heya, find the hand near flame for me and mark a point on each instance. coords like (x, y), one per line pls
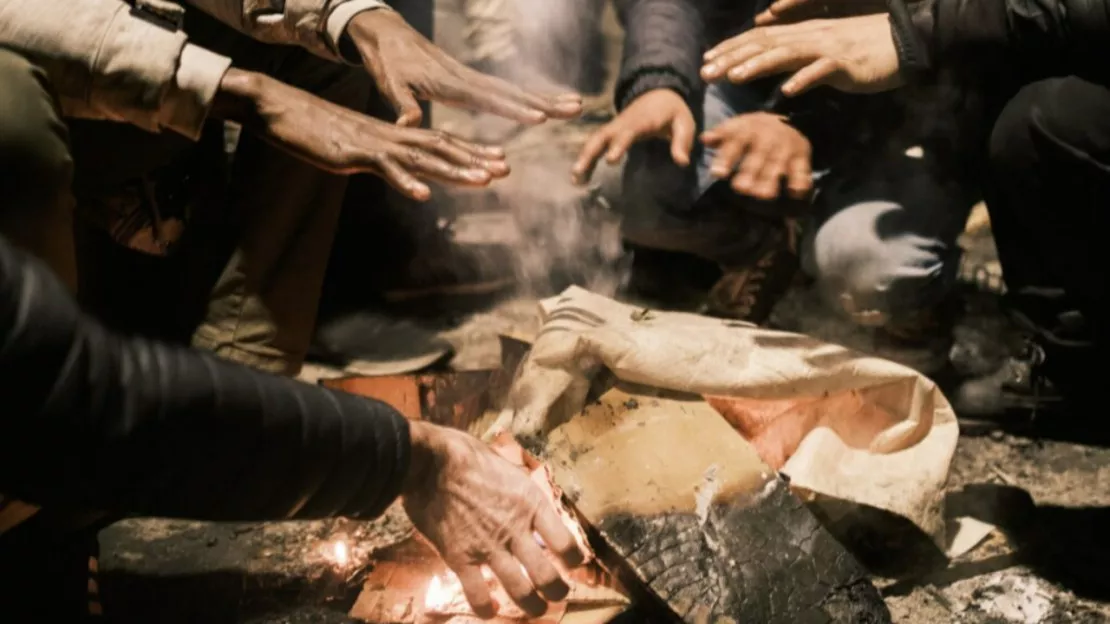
(478, 510)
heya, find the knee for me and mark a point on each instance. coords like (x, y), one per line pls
(1057, 113)
(655, 194)
(874, 278)
(35, 162)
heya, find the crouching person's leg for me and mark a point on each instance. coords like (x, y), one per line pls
(262, 310)
(1047, 193)
(885, 252)
(36, 169)
(673, 209)
(44, 555)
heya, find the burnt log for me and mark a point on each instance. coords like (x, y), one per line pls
(683, 507)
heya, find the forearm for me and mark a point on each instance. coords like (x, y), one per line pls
(94, 420)
(989, 36)
(106, 62)
(664, 42)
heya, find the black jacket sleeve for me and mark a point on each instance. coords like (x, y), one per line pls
(1047, 36)
(663, 46)
(92, 419)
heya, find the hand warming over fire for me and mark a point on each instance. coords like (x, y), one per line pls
(341, 140)
(407, 67)
(759, 151)
(855, 54)
(480, 510)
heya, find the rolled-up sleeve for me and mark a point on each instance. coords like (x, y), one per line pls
(315, 25)
(107, 63)
(193, 89)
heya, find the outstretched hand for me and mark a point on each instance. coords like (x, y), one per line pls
(759, 151)
(478, 510)
(855, 54)
(340, 140)
(408, 68)
(661, 113)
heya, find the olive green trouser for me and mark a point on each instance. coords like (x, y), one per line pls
(281, 212)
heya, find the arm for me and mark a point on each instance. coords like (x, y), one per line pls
(664, 41)
(316, 25)
(108, 63)
(1048, 35)
(95, 420)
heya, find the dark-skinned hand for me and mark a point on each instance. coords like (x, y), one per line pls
(658, 114)
(409, 68)
(340, 140)
(479, 510)
(759, 151)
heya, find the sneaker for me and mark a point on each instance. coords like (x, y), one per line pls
(748, 292)
(1017, 387)
(443, 267)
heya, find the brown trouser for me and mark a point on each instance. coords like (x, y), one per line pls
(281, 213)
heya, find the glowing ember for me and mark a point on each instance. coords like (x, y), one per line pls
(341, 553)
(336, 552)
(437, 597)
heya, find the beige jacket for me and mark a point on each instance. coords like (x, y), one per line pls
(110, 60)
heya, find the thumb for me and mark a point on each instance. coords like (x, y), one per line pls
(405, 105)
(682, 138)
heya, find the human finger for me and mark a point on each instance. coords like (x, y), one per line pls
(799, 177)
(404, 103)
(559, 106)
(744, 180)
(683, 128)
(732, 43)
(774, 61)
(768, 180)
(476, 590)
(729, 153)
(718, 67)
(619, 146)
(557, 537)
(478, 96)
(399, 178)
(813, 75)
(509, 572)
(464, 153)
(545, 577)
(427, 165)
(590, 153)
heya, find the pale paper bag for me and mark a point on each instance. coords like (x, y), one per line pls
(836, 422)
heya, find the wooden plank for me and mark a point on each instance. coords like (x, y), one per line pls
(693, 514)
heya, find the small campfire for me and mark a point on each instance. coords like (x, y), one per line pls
(410, 585)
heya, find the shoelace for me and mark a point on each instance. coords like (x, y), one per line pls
(1033, 355)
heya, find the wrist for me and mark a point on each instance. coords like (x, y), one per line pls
(422, 455)
(367, 26)
(238, 96)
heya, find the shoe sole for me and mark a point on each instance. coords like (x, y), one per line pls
(461, 290)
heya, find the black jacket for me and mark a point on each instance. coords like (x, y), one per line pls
(95, 420)
(978, 37)
(663, 48)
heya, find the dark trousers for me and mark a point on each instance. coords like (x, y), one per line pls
(1047, 184)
